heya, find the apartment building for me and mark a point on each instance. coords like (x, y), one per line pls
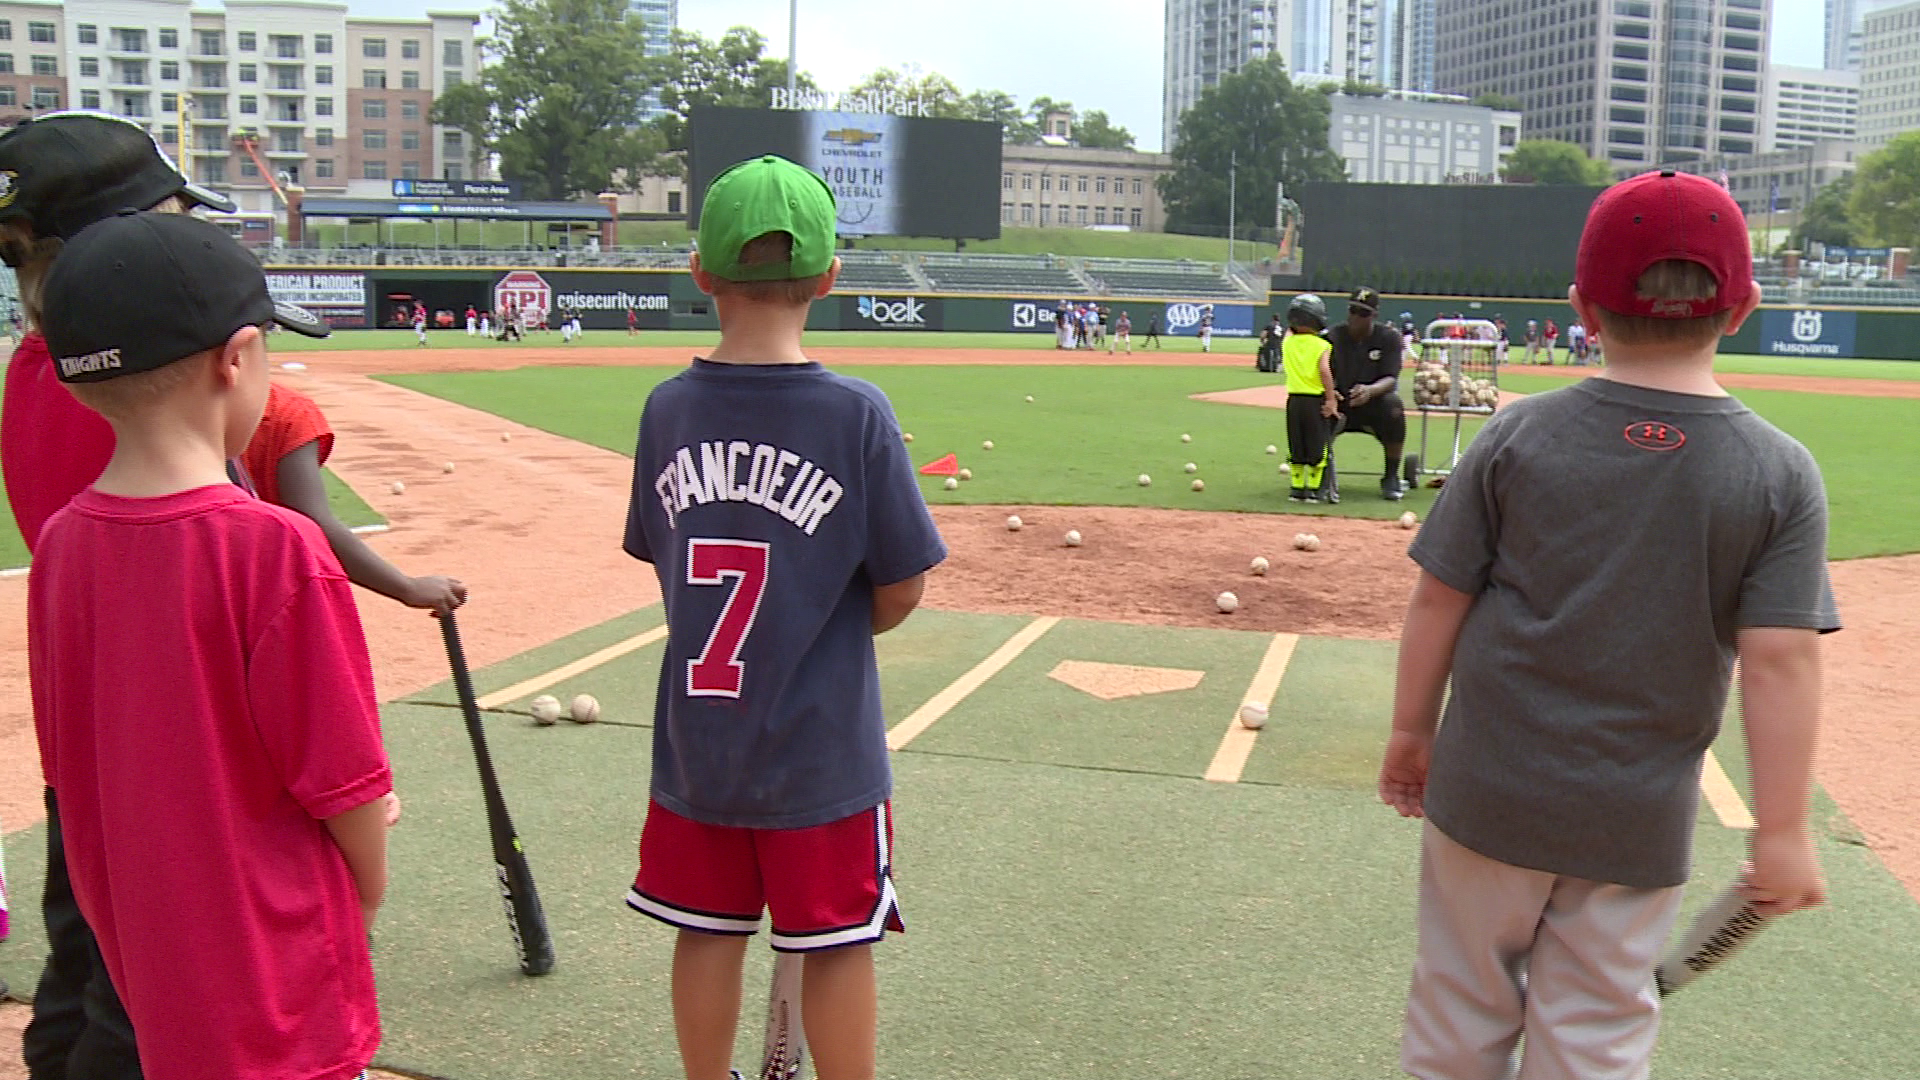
(33, 69)
(394, 69)
(1407, 138)
(1205, 39)
(1806, 104)
(1889, 73)
(1631, 81)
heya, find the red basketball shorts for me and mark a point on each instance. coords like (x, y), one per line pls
(826, 887)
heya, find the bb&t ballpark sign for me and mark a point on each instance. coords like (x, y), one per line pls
(886, 103)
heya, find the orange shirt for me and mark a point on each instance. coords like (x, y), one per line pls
(291, 421)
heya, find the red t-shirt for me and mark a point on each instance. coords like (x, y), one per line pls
(51, 446)
(203, 698)
(291, 421)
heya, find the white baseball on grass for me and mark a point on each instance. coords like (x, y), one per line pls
(585, 709)
(1253, 716)
(1029, 399)
(546, 709)
(1073, 537)
(1259, 567)
(1299, 541)
(1408, 520)
(1013, 523)
(1313, 542)
(1272, 449)
(1185, 437)
(906, 436)
(988, 445)
(1227, 603)
(952, 484)
(966, 474)
(1199, 485)
(398, 487)
(1191, 467)
(1145, 480)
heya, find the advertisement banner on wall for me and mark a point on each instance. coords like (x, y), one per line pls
(601, 300)
(1032, 316)
(1807, 332)
(890, 313)
(340, 299)
(1229, 320)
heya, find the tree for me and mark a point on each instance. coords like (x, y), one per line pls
(999, 107)
(732, 71)
(561, 101)
(1095, 130)
(943, 98)
(1257, 117)
(1826, 220)
(1549, 161)
(1502, 102)
(1885, 204)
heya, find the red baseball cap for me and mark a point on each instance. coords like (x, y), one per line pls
(1657, 216)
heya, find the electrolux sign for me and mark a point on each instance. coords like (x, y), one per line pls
(1807, 332)
(890, 312)
(1033, 317)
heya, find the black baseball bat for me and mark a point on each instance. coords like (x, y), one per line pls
(525, 918)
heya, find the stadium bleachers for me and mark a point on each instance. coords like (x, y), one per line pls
(1042, 274)
(875, 271)
(1163, 277)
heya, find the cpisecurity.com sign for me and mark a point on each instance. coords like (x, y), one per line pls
(1807, 332)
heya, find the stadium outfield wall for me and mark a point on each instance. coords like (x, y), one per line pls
(376, 296)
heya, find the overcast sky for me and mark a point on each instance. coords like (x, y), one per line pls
(1113, 62)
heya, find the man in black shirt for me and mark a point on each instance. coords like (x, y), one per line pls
(1366, 370)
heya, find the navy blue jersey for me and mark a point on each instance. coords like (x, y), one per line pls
(771, 500)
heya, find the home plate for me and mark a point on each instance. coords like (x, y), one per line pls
(1112, 682)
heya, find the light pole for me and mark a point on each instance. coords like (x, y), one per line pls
(793, 46)
(1233, 192)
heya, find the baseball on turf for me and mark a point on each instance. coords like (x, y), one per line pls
(1013, 523)
(1313, 542)
(1227, 603)
(1145, 480)
(1408, 521)
(1272, 449)
(585, 709)
(906, 436)
(1073, 537)
(1029, 399)
(1259, 567)
(546, 709)
(1199, 485)
(988, 445)
(1299, 541)
(1186, 438)
(397, 487)
(953, 483)
(966, 474)
(1253, 716)
(1191, 467)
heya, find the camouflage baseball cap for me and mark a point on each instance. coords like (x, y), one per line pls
(767, 195)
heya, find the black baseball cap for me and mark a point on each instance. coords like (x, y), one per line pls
(139, 290)
(1365, 299)
(64, 171)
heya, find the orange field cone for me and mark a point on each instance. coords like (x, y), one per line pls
(946, 466)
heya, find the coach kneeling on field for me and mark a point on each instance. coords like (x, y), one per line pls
(1366, 369)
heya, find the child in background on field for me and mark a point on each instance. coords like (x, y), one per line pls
(633, 323)
(201, 688)
(420, 323)
(1313, 400)
(771, 783)
(284, 459)
(1153, 332)
(1122, 334)
(1561, 791)
(1552, 339)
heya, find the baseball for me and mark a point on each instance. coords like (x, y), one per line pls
(1253, 716)
(546, 709)
(952, 484)
(966, 474)
(1299, 541)
(1259, 567)
(1192, 468)
(1272, 449)
(1313, 542)
(988, 445)
(585, 709)
(1013, 523)
(906, 436)
(1145, 480)
(1408, 521)
(1227, 603)
(1186, 438)
(397, 487)
(1199, 485)
(1029, 399)
(1073, 537)
(447, 468)
(293, 365)
(506, 436)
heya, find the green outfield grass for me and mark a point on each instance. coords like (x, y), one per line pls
(1091, 430)
(693, 340)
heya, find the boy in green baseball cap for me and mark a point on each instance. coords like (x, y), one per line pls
(784, 520)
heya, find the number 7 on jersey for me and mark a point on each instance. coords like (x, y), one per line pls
(718, 670)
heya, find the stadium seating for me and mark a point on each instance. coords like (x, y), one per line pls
(1041, 274)
(1163, 277)
(876, 271)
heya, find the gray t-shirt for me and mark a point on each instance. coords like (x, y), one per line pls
(1617, 538)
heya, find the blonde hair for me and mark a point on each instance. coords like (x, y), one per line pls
(32, 256)
(772, 249)
(1669, 279)
(128, 396)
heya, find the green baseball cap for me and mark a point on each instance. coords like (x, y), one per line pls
(767, 195)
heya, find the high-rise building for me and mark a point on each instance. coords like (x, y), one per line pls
(1312, 47)
(1806, 104)
(662, 18)
(1843, 35)
(1412, 45)
(262, 92)
(1630, 81)
(1205, 39)
(1889, 72)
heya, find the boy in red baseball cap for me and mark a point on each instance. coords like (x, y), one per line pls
(1590, 574)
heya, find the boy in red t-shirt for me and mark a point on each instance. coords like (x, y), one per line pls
(231, 858)
(283, 460)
